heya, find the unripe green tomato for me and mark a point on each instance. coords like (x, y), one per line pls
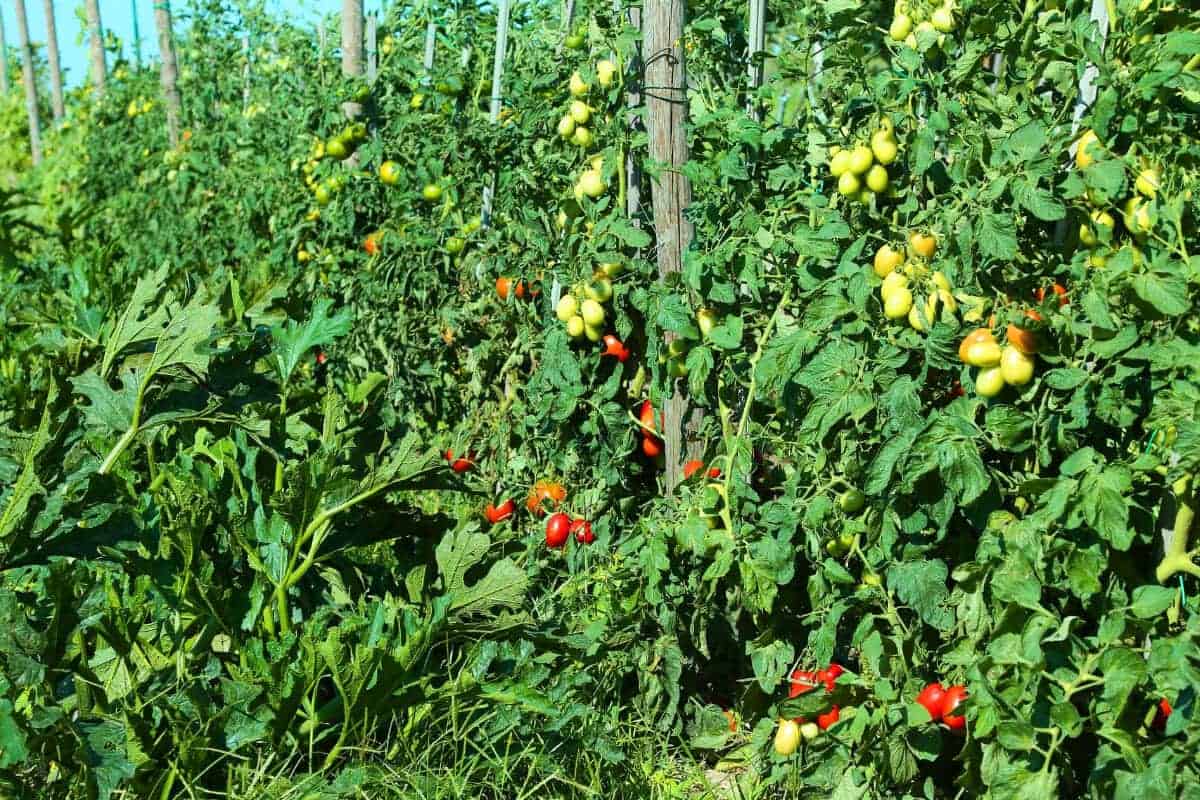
(871, 579)
(852, 501)
(600, 290)
(834, 548)
(677, 347)
(883, 146)
(861, 159)
(677, 367)
(989, 382)
(567, 308)
(810, 731)
(848, 184)
(582, 137)
(901, 27)
(707, 319)
(839, 163)
(898, 303)
(592, 312)
(566, 126)
(575, 326)
(787, 737)
(594, 333)
(432, 193)
(454, 245)
(1016, 367)
(877, 178)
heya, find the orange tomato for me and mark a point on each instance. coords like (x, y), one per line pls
(544, 493)
(1021, 338)
(977, 336)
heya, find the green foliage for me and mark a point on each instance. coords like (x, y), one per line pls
(233, 559)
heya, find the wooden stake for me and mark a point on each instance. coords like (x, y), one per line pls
(633, 99)
(56, 85)
(96, 46)
(758, 38)
(497, 77)
(430, 44)
(352, 48)
(671, 192)
(245, 72)
(169, 72)
(31, 100)
(372, 48)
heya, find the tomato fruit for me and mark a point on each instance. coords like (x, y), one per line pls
(389, 173)
(951, 700)
(884, 147)
(460, 464)
(496, 514)
(652, 446)
(901, 27)
(580, 112)
(829, 676)
(432, 193)
(979, 335)
(1016, 367)
(1087, 149)
(1147, 183)
(851, 501)
(1058, 289)
(371, 244)
(615, 347)
(576, 85)
(787, 737)
(898, 303)
(592, 313)
(573, 41)
(1022, 339)
(566, 126)
(942, 19)
(583, 531)
(923, 244)
(931, 697)
(606, 72)
(861, 159)
(707, 319)
(810, 731)
(591, 183)
(829, 718)
(600, 289)
(455, 245)
(848, 184)
(691, 468)
(985, 353)
(1161, 714)
(803, 682)
(990, 382)
(567, 307)
(558, 527)
(839, 163)
(877, 178)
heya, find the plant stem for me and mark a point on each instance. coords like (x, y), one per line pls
(1177, 558)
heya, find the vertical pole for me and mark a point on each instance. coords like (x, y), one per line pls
(56, 86)
(372, 48)
(4, 85)
(430, 43)
(169, 71)
(352, 49)
(245, 72)
(497, 75)
(96, 46)
(758, 38)
(1087, 96)
(633, 99)
(137, 35)
(671, 191)
(31, 100)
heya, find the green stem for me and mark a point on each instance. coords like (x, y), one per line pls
(127, 438)
(283, 446)
(1177, 558)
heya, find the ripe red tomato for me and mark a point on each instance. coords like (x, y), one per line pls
(931, 698)
(714, 472)
(557, 529)
(544, 493)
(646, 416)
(501, 512)
(691, 468)
(1059, 289)
(461, 464)
(950, 701)
(321, 357)
(829, 676)
(1161, 715)
(829, 718)
(652, 446)
(371, 243)
(614, 347)
(803, 682)
(583, 531)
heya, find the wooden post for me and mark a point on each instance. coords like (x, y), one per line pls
(31, 99)
(245, 72)
(489, 189)
(96, 46)
(633, 99)
(758, 37)
(169, 72)
(4, 85)
(1087, 96)
(665, 85)
(430, 44)
(352, 49)
(56, 85)
(372, 48)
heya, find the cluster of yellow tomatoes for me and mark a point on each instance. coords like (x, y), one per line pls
(573, 128)
(912, 17)
(1011, 364)
(338, 148)
(1138, 211)
(910, 290)
(861, 170)
(139, 105)
(582, 309)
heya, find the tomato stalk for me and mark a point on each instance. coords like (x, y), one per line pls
(1176, 558)
(127, 438)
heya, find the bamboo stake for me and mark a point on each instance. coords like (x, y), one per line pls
(758, 37)
(31, 100)
(352, 49)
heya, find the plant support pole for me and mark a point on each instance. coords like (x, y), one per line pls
(758, 34)
(137, 34)
(665, 86)
(352, 49)
(372, 48)
(55, 64)
(489, 190)
(169, 71)
(4, 85)
(31, 100)
(96, 46)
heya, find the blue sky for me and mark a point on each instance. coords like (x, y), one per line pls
(117, 16)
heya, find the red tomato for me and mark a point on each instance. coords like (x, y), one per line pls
(1059, 289)
(829, 676)
(828, 719)
(652, 446)
(733, 726)
(501, 512)
(557, 529)
(646, 416)
(931, 697)
(714, 472)
(950, 701)
(321, 357)
(371, 243)
(461, 464)
(583, 531)
(691, 468)
(803, 682)
(503, 285)
(614, 347)
(1162, 714)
